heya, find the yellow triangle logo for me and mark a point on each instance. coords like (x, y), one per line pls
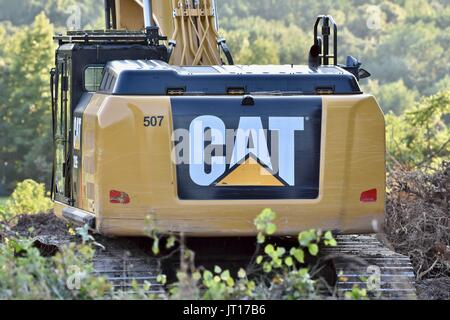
(250, 173)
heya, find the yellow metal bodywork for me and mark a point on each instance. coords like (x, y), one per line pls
(119, 153)
(193, 28)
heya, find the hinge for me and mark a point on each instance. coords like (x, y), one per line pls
(65, 83)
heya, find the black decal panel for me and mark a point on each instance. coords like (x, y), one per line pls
(303, 114)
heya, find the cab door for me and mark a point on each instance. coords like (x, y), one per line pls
(61, 190)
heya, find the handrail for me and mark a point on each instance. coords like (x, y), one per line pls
(323, 41)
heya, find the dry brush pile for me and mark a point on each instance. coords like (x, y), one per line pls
(418, 220)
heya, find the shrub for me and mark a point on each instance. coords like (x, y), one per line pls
(29, 197)
(26, 274)
(420, 138)
(276, 272)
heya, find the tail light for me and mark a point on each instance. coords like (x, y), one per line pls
(118, 197)
(369, 196)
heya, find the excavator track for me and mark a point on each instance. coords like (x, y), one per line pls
(365, 262)
(357, 260)
(128, 264)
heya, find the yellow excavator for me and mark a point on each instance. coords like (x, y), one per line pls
(152, 117)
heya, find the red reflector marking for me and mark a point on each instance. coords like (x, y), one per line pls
(369, 196)
(118, 197)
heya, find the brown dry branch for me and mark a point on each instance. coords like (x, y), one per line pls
(418, 219)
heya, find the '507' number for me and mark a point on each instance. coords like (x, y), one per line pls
(153, 121)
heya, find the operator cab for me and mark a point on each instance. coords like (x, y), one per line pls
(79, 63)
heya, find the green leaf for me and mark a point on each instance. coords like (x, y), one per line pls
(259, 259)
(263, 221)
(217, 269)
(267, 267)
(271, 228)
(329, 239)
(196, 276)
(306, 237)
(280, 251)
(161, 278)
(268, 214)
(207, 275)
(288, 261)
(251, 285)
(313, 249)
(356, 294)
(277, 262)
(328, 235)
(230, 282)
(225, 275)
(299, 255)
(242, 273)
(269, 249)
(170, 242)
(147, 285)
(260, 238)
(155, 246)
(303, 272)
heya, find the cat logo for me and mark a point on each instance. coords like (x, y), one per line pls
(247, 161)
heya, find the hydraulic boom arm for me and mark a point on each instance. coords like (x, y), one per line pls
(190, 25)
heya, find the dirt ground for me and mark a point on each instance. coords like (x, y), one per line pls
(47, 231)
(40, 224)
